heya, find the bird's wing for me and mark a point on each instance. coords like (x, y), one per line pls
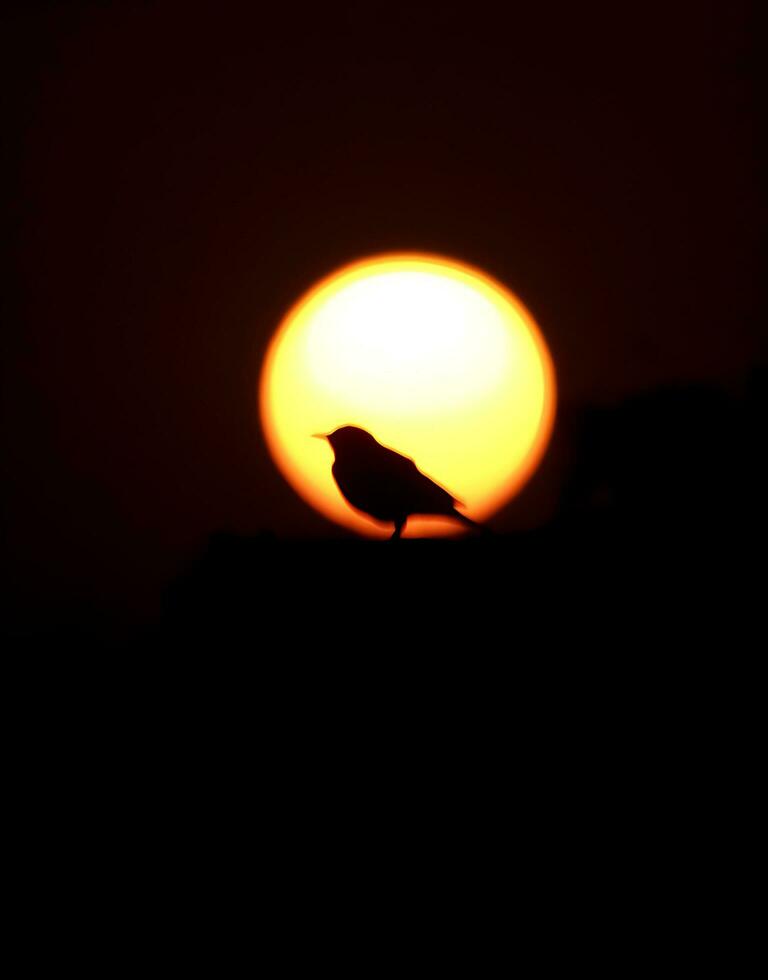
(424, 494)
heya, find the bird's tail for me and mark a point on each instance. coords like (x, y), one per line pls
(469, 522)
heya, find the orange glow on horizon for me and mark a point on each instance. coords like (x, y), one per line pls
(435, 359)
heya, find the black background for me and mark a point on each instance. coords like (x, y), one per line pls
(179, 173)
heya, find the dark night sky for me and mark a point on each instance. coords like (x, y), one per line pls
(180, 173)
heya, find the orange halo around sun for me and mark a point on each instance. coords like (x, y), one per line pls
(433, 357)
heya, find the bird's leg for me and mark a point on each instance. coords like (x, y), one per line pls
(399, 525)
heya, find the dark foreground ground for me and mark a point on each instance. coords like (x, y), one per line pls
(551, 738)
(565, 592)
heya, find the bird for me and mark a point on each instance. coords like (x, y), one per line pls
(385, 484)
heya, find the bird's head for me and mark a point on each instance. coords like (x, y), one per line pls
(349, 438)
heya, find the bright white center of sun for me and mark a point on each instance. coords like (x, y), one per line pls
(433, 342)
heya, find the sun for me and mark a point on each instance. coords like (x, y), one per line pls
(435, 359)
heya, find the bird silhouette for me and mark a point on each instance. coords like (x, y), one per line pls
(384, 484)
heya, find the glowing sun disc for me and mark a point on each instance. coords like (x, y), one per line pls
(435, 359)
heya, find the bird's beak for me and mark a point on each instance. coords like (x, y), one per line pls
(319, 435)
